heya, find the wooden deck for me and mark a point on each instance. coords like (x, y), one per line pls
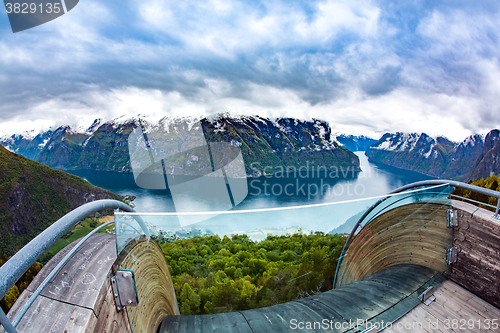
(454, 310)
(79, 297)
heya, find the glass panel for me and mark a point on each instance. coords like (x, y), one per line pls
(256, 223)
(438, 194)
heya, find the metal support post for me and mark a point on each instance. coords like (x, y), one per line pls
(496, 211)
(7, 325)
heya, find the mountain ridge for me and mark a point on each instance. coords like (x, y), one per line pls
(104, 147)
(435, 156)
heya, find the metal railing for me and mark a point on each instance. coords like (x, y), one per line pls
(432, 182)
(474, 202)
(19, 263)
(53, 273)
(469, 187)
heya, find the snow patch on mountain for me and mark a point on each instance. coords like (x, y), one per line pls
(473, 140)
(167, 124)
(400, 142)
(92, 128)
(431, 149)
(219, 128)
(43, 143)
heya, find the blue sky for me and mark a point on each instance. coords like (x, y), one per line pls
(367, 67)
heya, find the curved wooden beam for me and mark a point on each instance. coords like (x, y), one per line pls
(415, 233)
(155, 288)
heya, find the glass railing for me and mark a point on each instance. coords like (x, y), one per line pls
(334, 217)
(256, 223)
(420, 219)
(439, 194)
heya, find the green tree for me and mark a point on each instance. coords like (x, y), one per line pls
(11, 297)
(190, 301)
(214, 275)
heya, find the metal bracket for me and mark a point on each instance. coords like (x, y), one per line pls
(124, 289)
(427, 297)
(451, 255)
(452, 218)
(496, 216)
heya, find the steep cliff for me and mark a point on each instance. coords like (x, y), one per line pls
(33, 196)
(488, 163)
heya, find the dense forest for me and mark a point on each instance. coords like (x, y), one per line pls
(213, 275)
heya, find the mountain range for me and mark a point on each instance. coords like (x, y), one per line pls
(104, 145)
(473, 158)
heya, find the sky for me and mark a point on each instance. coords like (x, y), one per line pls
(366, 67)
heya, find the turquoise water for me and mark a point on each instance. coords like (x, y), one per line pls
(374, 180)
(268, 193)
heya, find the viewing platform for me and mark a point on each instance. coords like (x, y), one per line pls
(418, 260)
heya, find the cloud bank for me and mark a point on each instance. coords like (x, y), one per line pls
(367, 67)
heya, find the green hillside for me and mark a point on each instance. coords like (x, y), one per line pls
(33, 196)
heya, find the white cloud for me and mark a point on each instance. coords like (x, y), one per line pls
(229, 27)
(342, 61)
(401, 110)
(458, 30)
(335, 16)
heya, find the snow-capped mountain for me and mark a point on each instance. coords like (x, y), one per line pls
(436, 157)
(104, 145)
(27, 144)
